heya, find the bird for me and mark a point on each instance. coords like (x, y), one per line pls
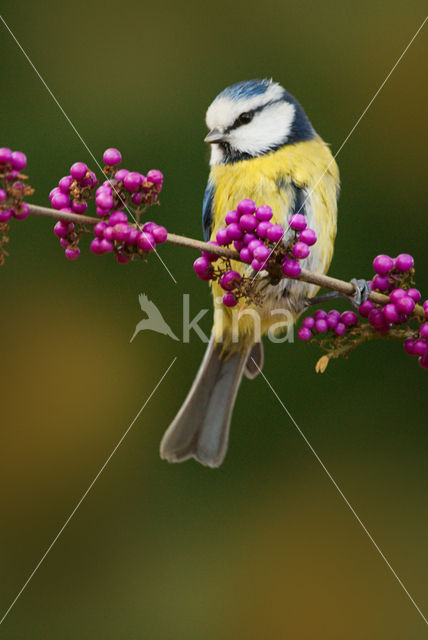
(263, 147)
(155, 320)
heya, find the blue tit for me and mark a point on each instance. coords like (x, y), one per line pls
(263, 147)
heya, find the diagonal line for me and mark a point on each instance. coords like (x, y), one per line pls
(397, 62)
(340, 491)
(85, 494)
(78, 134)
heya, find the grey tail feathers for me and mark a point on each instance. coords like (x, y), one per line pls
(201, 427)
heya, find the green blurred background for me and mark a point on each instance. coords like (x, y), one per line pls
(264, 547)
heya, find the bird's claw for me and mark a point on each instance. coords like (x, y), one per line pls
(361, 293)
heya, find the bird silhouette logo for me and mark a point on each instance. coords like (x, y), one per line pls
(154, 321)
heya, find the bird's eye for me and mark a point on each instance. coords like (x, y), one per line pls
(246, 117)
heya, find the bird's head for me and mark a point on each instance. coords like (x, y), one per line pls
(254, 117)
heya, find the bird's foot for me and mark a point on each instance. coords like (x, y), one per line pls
(361, 293)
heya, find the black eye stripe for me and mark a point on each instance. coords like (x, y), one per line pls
(252, 113)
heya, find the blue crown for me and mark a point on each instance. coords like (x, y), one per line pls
(245, 89)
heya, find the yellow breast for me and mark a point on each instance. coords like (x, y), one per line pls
(271, 179)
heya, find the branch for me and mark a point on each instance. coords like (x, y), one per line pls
(327, 282)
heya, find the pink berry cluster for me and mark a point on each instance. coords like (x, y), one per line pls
(250, 231)
(323, 322)
(13, 190)
(397, 318)
(124, 193)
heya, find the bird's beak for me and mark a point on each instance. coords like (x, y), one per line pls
(215, 135)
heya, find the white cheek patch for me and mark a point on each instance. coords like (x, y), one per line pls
(268, 129)
(223, 112)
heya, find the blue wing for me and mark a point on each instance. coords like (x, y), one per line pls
(207, 212)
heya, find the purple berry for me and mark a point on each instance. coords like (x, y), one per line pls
(118, 216)
(229, 299)
(149, 226)
(109, 234)
(238, 244)
(332, 321)
(261, 253)
(5, 155)
(155, 176)
(234, 231)
(132, 181)
(420, 347)
(99, 229)
(72, 254)
(10, 177)
(95, 247)
(423, 361)
(245, 255)
(415, 294)
(246, 206)
(275, 233)
(298, 222)
(396, 294)
(320, 313)
(349, 318)
(308, 322)
(248, 222)
(304, 333)
(404, 262)
(61, 229)
(252, 246)
(334, 313)
(222, 237)
(78, 170)
(230, 280)
(408, 346)
(160, 234)
(380, 282)
(64, 184)
(377, 319)
(391, 314)
(119, 175)
(3, 195)
(300, 250)
(203, 269)
(382, 264)
(64, 243)
(340, 329)
(121, 231)
(232, 216)
(112, 157)
(321, 325)
(79, 206)
(264, 213)
(262, 228)
(423, 331)
(122, 258)
(18, 160)
(23, 212)
(104, 200)
(60, 200)
(291, 268)
(133, 236)
(308, 236)
(137, 198)
(5, 214)
(146, 242)
(257, 265)
(405, 305)
(106, 245)
(249, 237)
